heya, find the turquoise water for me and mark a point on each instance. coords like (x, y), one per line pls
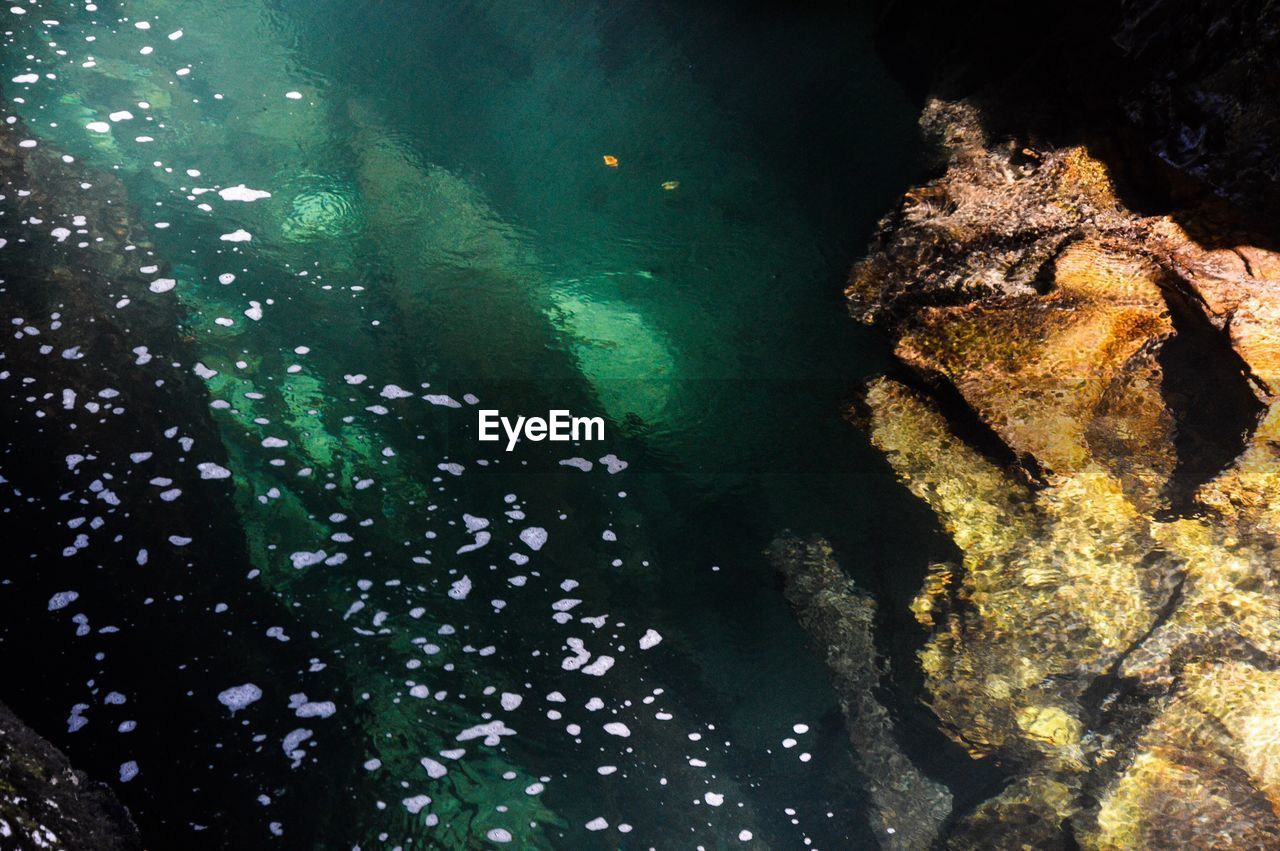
(377, 218)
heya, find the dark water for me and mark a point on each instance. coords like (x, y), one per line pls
(442, 234)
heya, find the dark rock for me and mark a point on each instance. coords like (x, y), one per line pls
(47, 804)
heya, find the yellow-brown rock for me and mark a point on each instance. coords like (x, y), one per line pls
(1092, 416)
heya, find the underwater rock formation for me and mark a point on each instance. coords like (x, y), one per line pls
(1087, 400)
(908, 808)
(45, 803)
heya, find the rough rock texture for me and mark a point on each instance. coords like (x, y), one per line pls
(45, 803)
(1090, 351)
(908, 809)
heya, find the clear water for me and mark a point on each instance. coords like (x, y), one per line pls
(441, 220)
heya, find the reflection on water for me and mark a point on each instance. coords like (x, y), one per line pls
(371, 219)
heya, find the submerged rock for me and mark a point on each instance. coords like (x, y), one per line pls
(907, 808)
(45, 803)
(1088, 403)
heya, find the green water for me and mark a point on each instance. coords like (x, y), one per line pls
(442, 231)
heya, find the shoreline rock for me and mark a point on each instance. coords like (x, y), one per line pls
(45, 803)
(1087, 327)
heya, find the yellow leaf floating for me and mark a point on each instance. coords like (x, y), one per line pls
(670, 185)
(610, 160)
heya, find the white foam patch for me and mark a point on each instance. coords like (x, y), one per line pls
(617, 728)
(210, 470)
(599, 667)
(482, 539)
(162, 285)
(651, 638)
(534, 537)
(63, 599)
(243, 193)
(238, 235)
(392, 391)
(238, 697)
(416, 804)
(316, 709)
(460, 589)
(435, 770)
(26, 78)
(491, 733)
(306, 559)
(613, 464)
(292, 744)
(579, 658)
(98, 127)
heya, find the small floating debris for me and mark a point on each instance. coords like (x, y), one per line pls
(670, 185)
(610, 160)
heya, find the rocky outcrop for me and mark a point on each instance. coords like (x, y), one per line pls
(45, 803)
(1089, 342)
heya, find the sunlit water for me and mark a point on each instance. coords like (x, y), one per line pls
(442, 643)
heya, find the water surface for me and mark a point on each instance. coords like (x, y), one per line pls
(375, 218)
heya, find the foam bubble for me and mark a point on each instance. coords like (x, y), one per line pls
(63, 599)
(240, 192)
(238, 697)
(534, 537)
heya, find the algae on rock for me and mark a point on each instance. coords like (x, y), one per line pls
(1110, 631)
